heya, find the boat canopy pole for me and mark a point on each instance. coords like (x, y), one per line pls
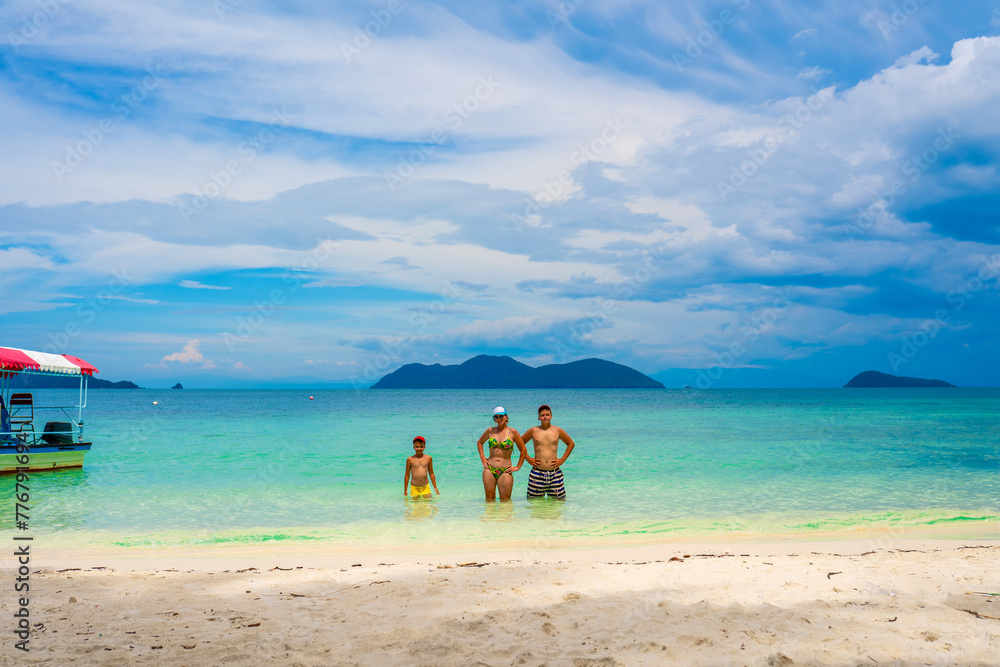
(83, 400)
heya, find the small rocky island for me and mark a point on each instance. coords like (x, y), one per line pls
(874, 379)
(488, 372)
(178, 386)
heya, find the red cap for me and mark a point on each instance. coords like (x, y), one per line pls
(420, 438)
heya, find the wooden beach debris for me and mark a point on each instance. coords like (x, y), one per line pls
(978, 615)
(249, 569)
(675, 558)
(830, 574)
(472, 564)
(286, 569)
(979, 605)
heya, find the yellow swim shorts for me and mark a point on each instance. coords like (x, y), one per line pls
(424, 490)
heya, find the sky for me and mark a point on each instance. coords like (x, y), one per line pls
(727, 193)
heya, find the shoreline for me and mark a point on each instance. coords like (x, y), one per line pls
(332, 555)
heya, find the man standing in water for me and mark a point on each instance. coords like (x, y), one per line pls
(545, 476)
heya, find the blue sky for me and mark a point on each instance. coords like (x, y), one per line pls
(785, 193)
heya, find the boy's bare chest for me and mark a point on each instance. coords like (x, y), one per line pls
(549, 438)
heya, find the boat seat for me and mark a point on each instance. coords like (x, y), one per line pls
(22, 412)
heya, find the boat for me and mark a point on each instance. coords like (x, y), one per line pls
(58, 444)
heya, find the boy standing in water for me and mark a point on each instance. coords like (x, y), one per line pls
(420, 466)
(545, 476)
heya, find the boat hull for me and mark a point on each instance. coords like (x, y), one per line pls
(44, 457)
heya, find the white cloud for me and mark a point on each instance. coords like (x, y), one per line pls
(194, 284)
(189, 355)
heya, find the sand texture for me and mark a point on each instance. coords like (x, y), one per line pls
(816, 606)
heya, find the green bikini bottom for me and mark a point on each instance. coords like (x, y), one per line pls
(498, 471)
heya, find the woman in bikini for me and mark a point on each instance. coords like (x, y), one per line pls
(498, 473)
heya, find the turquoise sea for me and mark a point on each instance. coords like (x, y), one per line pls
(219, 467)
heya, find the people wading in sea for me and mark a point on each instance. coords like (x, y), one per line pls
(498, 473)
(546, 476)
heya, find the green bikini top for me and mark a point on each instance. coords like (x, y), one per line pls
(506, 444)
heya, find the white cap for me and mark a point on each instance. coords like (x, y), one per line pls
(498, 410)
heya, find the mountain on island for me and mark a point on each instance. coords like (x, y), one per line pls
(26, 381)
(874, 379)
(488, 372)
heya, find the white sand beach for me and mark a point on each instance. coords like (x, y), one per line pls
(806, 603)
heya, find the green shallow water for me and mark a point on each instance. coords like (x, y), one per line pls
(209, 468)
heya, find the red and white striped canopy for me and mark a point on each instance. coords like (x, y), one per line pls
(15, 360)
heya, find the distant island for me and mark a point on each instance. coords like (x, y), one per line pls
(488, 372)
(26, 381)
(178, 386)
(874, 379)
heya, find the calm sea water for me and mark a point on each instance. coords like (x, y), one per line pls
(209, 467)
